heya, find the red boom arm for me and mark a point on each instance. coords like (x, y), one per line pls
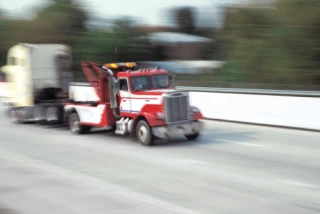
(96, 77)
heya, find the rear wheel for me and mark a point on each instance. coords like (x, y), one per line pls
(38, 114)
(17, 115)
(13, 114)
(144, 133)
(75, 125)
(192, 136)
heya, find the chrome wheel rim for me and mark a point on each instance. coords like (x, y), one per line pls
(38, 113)
(75, 123)
(143, 133)
(13, 116)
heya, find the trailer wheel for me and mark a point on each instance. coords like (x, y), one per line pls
(144, 133)
(13, 116)
(38, 114)
(8, 110)
(192, 136)
(75, 125)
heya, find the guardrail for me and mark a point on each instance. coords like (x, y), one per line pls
(253, 91)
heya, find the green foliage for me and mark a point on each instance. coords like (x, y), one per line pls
(60, 21)
(64, 22)
(273, 45)
(121, 43)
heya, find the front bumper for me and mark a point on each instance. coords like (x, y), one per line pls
(165, 132)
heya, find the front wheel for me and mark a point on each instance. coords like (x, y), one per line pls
(75, 125)
(144, 133)
(192, 136)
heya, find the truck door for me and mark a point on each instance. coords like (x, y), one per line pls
(125, 98)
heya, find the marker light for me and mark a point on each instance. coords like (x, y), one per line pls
(130, 64)
(111, 65)
(194, 109)
(123, 64)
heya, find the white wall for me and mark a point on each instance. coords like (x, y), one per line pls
(298, 112)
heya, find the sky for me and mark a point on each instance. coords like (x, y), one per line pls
(151, 12)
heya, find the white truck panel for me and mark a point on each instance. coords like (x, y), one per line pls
(82, 92)
(89, 114)
(19, 75)
(45, 68)
(35, 66)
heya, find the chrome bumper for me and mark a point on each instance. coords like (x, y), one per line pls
(165, 132)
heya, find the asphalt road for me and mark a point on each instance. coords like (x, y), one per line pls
(232, 168)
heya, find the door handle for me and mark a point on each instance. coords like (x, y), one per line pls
(147, 100)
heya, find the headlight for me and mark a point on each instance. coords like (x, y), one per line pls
(160, 115)
(194, 110)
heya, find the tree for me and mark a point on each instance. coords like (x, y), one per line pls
(121, 43)
(60, 22)
(184, 18)
(273, 45)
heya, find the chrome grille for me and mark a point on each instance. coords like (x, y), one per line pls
(176, 106)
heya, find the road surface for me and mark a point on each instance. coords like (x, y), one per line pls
(232, 168)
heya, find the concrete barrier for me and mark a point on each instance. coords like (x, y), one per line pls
(275, 110)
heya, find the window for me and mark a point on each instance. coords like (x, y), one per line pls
(12, 60)
(160, 81)
(140, 83)
(16, 61)
(123, 84)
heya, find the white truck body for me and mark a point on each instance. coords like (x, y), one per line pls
(82, 92)
(32, 67)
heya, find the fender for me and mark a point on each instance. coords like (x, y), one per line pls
(67, 111)
(196, 113)
(150, 112)
(152, 120)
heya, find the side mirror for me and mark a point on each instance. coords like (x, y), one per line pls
(116, 86)
(114, 89)
(172, 79)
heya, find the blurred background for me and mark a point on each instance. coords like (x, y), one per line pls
(248, 44)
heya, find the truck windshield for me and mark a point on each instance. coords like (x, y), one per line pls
(160, 81)
(140, 83)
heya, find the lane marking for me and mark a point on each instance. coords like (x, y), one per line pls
(297, 183)
(189, 161)
(249, 144)
(90, 181)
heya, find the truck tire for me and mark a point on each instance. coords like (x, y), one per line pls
(38, 114)
(8, 110)
(144, 133)
(192, 136)
(13, 117)
(75, 125)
